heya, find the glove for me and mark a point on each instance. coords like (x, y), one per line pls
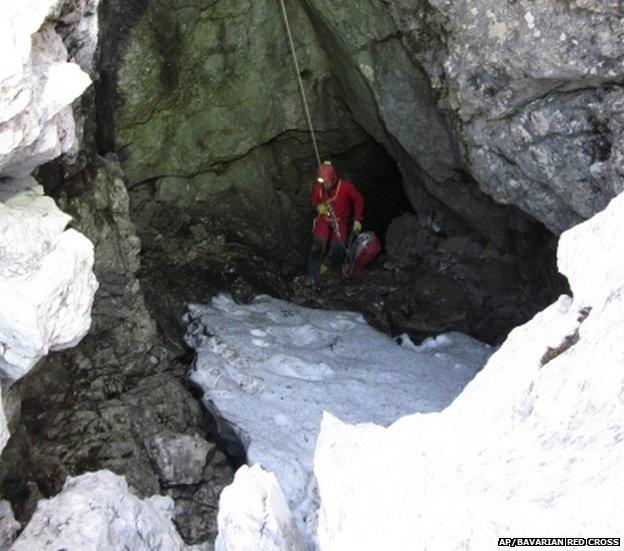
(322, 209)
(357, 227)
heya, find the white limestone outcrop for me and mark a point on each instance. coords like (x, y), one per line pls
(253, 514)
(9, 527)
(37, 88)
(534, 445)
(46, 279)
(96, 511)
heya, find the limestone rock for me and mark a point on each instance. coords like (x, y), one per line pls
(37, 87)
(47, 283)
(253, 514)
(220, 173)
(4, 429)
(97, 511)
(196, 507)
(9, 527)
(524, 96)
(78, 25)
(179, 458)
(534, 90)
(594, 272)
(103, 215)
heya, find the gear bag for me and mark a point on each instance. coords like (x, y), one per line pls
(360, 252)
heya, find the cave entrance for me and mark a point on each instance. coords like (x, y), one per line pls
(217, 155)
(378, 178)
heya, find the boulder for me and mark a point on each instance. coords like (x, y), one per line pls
(97, 511)
(179, 458)
(47, 284)
(37, 87)
(253, 514)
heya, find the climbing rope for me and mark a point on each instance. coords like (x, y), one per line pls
(300, 80)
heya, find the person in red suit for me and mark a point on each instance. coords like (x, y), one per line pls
(339, 207)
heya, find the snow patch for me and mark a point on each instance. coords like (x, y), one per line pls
(274, 396)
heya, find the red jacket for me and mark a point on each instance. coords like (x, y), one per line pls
(343, 198)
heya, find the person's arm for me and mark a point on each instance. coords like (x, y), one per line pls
(316, 196)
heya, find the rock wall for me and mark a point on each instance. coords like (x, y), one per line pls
(202, 105)
(526, 97)
(47, 284)
(116, 401)
(533, 92)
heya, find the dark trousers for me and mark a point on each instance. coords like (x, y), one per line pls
(335, 256)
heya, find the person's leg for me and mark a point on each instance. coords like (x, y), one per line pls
(337, 245)
(336, 254)
(320, 236)
(314, 260)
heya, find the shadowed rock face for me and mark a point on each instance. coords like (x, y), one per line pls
(207, 119)
(533, 91)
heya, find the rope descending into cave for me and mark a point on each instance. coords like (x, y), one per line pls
(300, 80)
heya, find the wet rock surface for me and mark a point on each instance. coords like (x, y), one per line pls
(104, 403)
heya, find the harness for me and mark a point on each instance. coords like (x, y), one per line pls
(332, 214)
